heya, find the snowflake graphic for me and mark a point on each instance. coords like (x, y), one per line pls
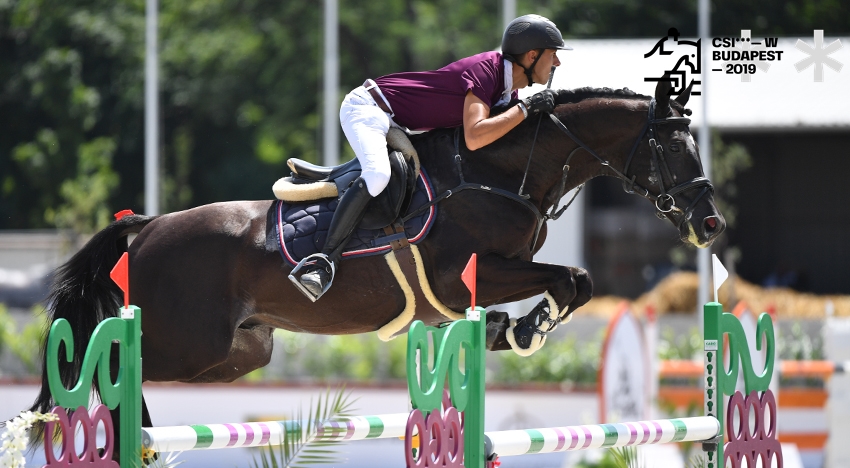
(818, 55)
(746, 45)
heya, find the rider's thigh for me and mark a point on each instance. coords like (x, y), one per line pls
(366, 129)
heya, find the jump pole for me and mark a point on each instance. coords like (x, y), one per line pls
(388, 426)
(263, 434)
(573, 438)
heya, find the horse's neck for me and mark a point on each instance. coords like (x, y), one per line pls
(608, 127)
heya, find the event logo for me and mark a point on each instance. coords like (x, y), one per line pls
(688, 63)
(742, 56)
(818, 56)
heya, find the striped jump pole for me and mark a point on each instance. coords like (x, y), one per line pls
(505, 443)
(262, 434)
(571, 438)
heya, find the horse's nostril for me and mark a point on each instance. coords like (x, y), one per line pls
(710, 223)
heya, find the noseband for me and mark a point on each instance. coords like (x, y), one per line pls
(665, 200)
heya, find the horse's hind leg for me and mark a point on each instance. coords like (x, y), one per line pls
(251, 349)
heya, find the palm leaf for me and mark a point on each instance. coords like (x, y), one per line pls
(627, 457)
(299, 447)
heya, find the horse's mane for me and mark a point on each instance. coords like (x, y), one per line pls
(572, 96)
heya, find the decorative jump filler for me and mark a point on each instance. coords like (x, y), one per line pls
(719, 382)
(462, 342)
(124, 393)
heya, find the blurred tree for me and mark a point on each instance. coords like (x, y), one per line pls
(728, 160)
(70, 94)
(645, 18)
(241, 85)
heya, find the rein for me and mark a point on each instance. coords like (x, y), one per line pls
(665, 202)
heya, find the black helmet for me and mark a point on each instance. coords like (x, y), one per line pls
(531, 32)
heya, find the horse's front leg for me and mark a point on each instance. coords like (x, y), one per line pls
(503, 280)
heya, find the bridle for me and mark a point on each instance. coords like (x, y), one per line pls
(665, 200)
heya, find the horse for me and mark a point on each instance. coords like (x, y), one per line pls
(212, 290)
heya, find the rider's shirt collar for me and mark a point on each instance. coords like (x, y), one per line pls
(509, 82)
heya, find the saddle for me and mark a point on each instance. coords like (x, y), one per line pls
(309, 182)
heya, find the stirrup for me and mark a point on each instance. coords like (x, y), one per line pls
(316, 257)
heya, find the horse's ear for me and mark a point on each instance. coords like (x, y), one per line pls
(683, 97)
(662, 95)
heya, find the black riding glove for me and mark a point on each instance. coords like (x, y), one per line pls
(544, 101)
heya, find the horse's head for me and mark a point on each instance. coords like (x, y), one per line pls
(669, 165)
(650, 148)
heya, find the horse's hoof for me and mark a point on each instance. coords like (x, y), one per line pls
(497, 327)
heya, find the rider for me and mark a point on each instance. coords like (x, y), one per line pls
(460, 93)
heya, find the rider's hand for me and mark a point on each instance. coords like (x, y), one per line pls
(544, 101)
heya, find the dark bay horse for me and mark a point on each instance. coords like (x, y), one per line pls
(212, 293)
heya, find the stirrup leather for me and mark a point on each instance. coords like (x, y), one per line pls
(317, 257)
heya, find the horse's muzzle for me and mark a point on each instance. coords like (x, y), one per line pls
(703, 234)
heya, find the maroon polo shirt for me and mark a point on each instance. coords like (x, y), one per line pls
(434, 99)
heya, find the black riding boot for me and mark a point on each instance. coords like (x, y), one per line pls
(348, 214)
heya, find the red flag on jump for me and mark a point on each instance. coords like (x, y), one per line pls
(468, 276)
(122, 214)
(120, 274)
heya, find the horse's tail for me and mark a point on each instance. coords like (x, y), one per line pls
(83, 293)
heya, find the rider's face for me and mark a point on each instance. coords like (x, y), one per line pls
(544, 66)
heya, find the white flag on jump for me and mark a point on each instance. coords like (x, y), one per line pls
(720, 274)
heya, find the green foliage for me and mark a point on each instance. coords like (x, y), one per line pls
(299, 444)
(799, 346)
(679, 347)
(356, 358)
(728, 159)
(83, 208)
(564, 362)
(23, 344)
(636, 18)
(621, 457)
(365, 358)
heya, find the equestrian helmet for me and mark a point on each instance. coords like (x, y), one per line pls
(531, 32)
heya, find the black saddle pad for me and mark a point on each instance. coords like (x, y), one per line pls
(301, 228)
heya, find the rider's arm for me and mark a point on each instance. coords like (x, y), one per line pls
(479, 128)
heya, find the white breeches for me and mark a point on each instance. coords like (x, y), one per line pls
(366, 126)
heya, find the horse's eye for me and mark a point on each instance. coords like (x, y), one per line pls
(674, 148)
